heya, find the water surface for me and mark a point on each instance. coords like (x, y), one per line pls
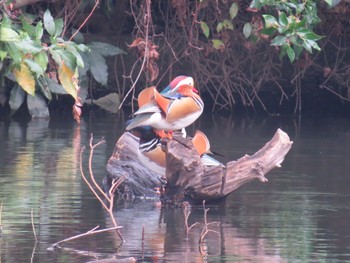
(301, 215)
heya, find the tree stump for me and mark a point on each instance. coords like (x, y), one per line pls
(186, 178)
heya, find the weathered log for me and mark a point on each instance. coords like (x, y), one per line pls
(186, 176)
(138, 181)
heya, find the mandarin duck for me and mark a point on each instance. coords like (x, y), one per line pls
(153, 157)
(176, 107)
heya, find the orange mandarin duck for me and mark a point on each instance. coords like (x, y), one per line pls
(152, 156)
(176, 107)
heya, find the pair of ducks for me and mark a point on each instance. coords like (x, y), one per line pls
(159, 114)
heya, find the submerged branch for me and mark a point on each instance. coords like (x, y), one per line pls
(90, 232)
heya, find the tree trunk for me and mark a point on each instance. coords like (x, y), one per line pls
(186, 176)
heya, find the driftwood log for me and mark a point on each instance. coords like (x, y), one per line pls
(186, 177)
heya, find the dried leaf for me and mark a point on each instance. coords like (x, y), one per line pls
(153, 70)
(25, 78)
(77, 111)
(152, 55)
(68, 80)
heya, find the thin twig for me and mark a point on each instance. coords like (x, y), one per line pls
(33, 226)
(90, 232)
(146, 53)
(86, 19)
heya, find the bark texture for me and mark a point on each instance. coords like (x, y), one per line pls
(189, 179)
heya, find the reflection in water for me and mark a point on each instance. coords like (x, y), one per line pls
(300, 215)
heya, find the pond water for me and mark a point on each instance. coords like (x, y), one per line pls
(301, 215)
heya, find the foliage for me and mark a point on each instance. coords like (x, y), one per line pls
(41, 62)
(289, 25)
(225, 24)
(33, 56)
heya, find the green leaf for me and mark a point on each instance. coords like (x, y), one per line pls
(13, 52)
(27, 45)
(268, 31)
(227, 24)
(37, 106)
(256, 4)
(71, 48)
(312, 36)
(247, 30)
(17, 97)
(218, 44)
(233, 10)
(270, 21)
(64, 56)
(56, 57)
(279, 41)
(307, 45)
(313, 44)
(98, 67)
(219, 27)
(39, 30)
(205, 29)
(333, 3)
(42, 59)
(49, 23)
(282, 19)
(84, 48)
(30, 29)
(58, 26)
(290, 53)
(34, 67)
(300, 25)
(105, 49)
(3, 55)
(8, 35)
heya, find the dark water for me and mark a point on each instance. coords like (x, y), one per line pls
(301, 215)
